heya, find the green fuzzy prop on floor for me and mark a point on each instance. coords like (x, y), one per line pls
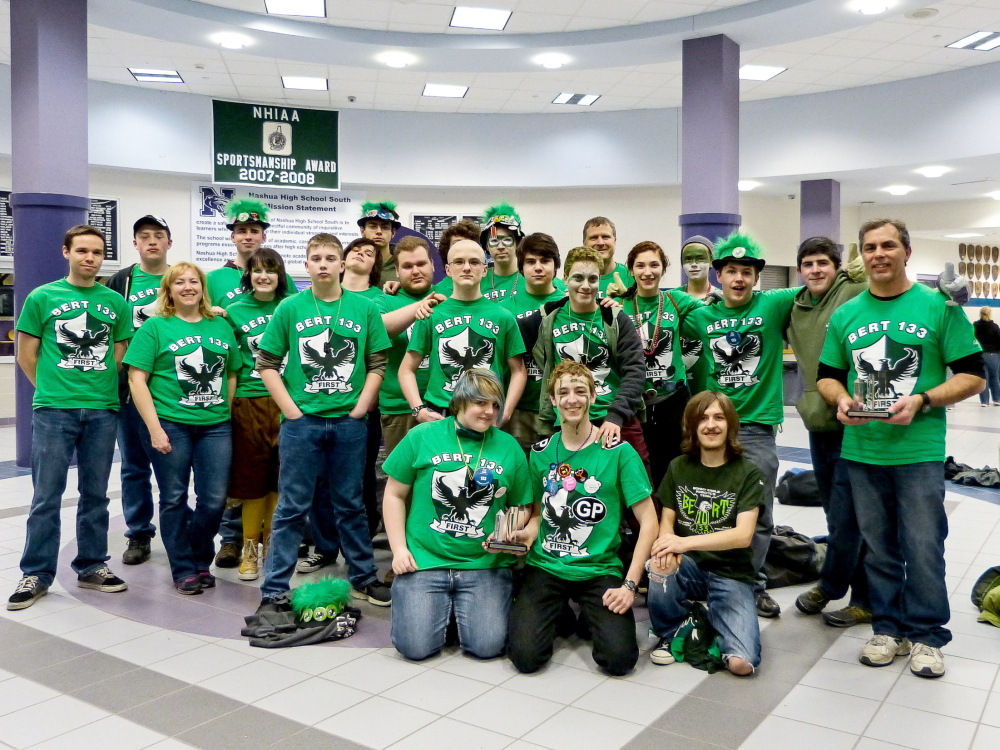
(376, 205)
(501, 209)
(246, 206)
(327, 592)
(738, 239)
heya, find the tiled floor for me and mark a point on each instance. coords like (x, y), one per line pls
(149, 669)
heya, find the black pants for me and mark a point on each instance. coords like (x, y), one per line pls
(370, 489)
(662, 429)
(536, 611)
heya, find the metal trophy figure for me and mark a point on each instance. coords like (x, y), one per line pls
(961, 251)
(503, 533)
(871, 400)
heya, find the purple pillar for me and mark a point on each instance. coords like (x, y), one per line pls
(820, 210)
(710, 137)
(49, 152)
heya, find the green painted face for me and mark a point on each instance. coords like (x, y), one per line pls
(695, 254)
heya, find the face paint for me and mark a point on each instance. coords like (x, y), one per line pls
(695, 260)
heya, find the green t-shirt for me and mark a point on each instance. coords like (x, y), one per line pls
(78, 327)
(496, 288)
(141, 298)
(581, 337)
(249, 318)
(899, 346)
(372, 293)
(326, 344)
(744, 347)
(609, 278)
(522, 305)
(696, 366)
(188, 363)
(390, 398)
(707, 499)
(578, 537)
(461, 335)
(224, 286)
(450, 516)
(664, 361)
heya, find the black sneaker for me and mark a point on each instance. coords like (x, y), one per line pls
(766, 606)
(28, 590)
(137, 552)
(229, 555)
(303, 550)
(314, 562)
(189, 586)
(102, 579)
(206, 579)
(376, 593)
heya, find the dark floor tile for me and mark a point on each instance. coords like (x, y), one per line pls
(786, 666)
(83, 671)
(751, 693)
(809, 637)
(29, 658)
(129, 690)
(15, 635)
(182, 710)
(314, 739)
(243, 728)
(709, 721)
(656, 739)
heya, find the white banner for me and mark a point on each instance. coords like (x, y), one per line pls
(296, 215)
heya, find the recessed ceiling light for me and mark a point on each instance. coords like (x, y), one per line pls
(995, 195)
(989, 44)
(898, 189)
(307, 83)
(551, 60)
(759, 72)
(230, 40)
(446, 90)
(310, 8)
(871, 7)
(582, 100)
(489, 19)
(971, 39)
(932, 171)
(149, 75)
(921, 13)
(745, 186)
(396, 59)
(963, 235)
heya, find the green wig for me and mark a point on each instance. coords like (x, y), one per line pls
(328, 595)
(739, 247)
(500, 215)
(246, 210)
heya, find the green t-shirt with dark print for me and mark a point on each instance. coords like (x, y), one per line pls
(372, 293)
(664, 361)
(451, 515)
(326, 344)
(225, 286)
(249, 318)
(461, 335)
(609, 278)
(581, 337)
(188, 364)
(523, 305)
(78, 328)
(695, 365)
(897, 347)
(744, 347)
(495, 288)
(142, 293)
(390, 397)
(581, 506)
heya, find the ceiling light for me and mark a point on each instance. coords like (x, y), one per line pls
(963, 235)
(745, 186)
(971, 39)
(995, 195)
(989, 44)
(871, 7)
(310, 8)
(921, 13)
(759, 72)
(552, 60)
(932, 171)
(583, 100)
(489, 19)
(446, 90)
(396, 59)
(229, 40)
(307, 83)
(149, 75)
(898, 189)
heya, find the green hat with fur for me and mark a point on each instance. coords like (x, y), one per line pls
(741, 248)
(381, 211)
(246, 211)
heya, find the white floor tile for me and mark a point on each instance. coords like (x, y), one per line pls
(987, 738)
(555, 683)
(47, 605)
(777, 733)
(574, 729)
(677, 678)
(253, 681)
(17, 693)
(373, 673)
(312, 700)
(436, 691)
(201, 663)
(506, 711)
(846, 713)
(920, 729)
(851, 679)
(625, 700)
(154, 647)
(315, 661)
(112, 731)
(448, 733)
(522, 745)
(980, 648)
(111, 632)
(991, 714)
(867, 743)
(957, 701)
(171, 744)
(46, 720)
(377, 722)
(70, 619)
(493, 671)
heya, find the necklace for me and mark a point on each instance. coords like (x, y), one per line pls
(480, 477)
(648, 345)
(320, 315)
(493, 283)
(567, 475)
(586, 338)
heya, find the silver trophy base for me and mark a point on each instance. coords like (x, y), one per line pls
(869, 414)
(506, 546)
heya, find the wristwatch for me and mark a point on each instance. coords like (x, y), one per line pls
(927, 402)
(630, 585)
(416, 409)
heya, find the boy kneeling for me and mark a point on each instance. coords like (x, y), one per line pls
(711, 496)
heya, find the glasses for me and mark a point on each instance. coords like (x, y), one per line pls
(469, 263)
(506, 241)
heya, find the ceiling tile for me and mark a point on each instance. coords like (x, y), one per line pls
(536, 23)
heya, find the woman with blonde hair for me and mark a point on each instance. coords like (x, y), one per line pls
(183, 371)
(988, 335)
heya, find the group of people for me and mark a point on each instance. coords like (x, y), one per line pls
(615, 435)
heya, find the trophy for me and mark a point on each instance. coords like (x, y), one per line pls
(866, 396)
(979, 253)
(961, 251)
(996, 253)
(501, 540)
(961, 268)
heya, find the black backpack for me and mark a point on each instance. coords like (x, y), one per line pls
(792, 558)
(798, 487)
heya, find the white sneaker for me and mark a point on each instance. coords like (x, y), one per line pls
(882, 650)
(661, 654)
(926, 661)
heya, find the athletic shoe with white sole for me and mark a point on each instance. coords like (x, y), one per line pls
(926, 661)
(882, 650)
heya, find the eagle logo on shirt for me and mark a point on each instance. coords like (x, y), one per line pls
(460, 505)
(691, 350)
(569, 524)
(83, 342)
(736, 359)
(466, 350)
(142, 313)
(703, 510)
(659, 362)
(328, 361)
(889, 370)
(200, 375)
(591, 355)
(408, 334)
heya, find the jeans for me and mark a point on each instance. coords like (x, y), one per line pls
(992, 360)
(188, 535)
(310, 447)
(231, 526)
(731, 608)
(56, 433)
(759, 448)
(536, 612)
(422, 604)
(845, 549)
(901, 515)
(136, 469)
(370, 490)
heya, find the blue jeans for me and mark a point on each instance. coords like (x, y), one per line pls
(992, 360)
(901, 516)
(231, 526)
(845, 549)
(56, 433)
(422, 604)
(137, 491)
(731, 608)
(759, 448)
(188, 535)
(310, 447)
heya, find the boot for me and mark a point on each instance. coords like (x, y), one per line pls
(248, 568)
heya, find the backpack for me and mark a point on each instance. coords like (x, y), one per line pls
(696, 642)
(798, 487)
(792, 558)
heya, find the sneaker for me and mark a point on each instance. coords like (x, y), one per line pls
(303, 551)
(249, 568)
(662, 654)
(102, 579)
(206, 579)
(137, 551)
(882, 650)
(926, 661)
(812, 601)
(229, 556)
(28, 590)
(376, 593)
(189, 586)
(314, 562)
(847, 617)
(766, 606)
